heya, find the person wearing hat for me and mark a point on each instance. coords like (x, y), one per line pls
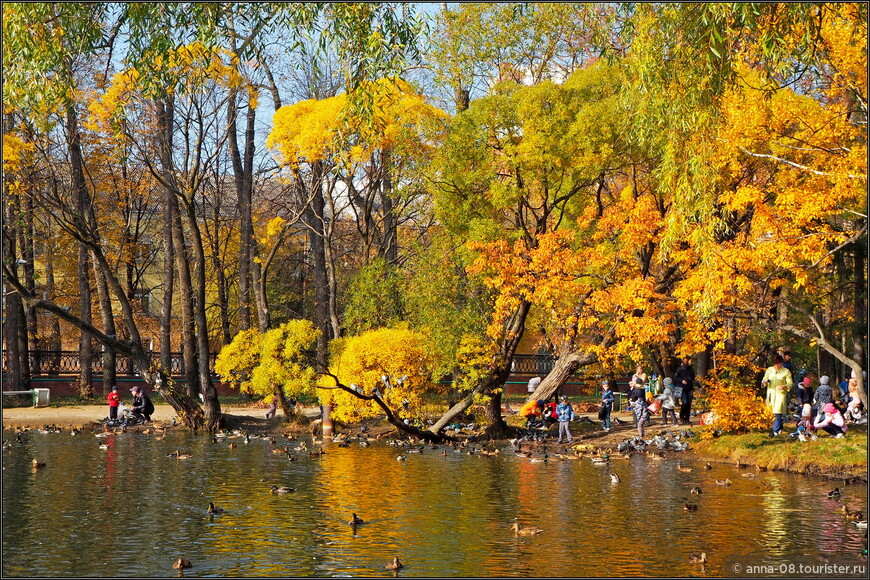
(669, 403)
(832, 421)
(805, 425)
(142, 405)
(565, 414)
(824, 395)
(804, 392)
(606, 405)
(114, 400)
(778, 381)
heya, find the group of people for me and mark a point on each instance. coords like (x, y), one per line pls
(644, 401)
(141, 409)
(819, 409)
(539, 413)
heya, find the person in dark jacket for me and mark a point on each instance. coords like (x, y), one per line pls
(637, 391)
(685, 379)
(804, 393)
(142, 405)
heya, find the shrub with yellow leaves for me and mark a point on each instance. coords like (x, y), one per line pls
(400, 355)
(732, 398)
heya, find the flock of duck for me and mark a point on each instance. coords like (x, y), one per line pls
(530, 447)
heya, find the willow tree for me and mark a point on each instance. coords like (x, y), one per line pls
(511, 171)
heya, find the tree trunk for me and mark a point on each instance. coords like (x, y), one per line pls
(85, 380)
(210, 398)
(859, 327)
(165, 117)
(54, 343)
(110, 377)
(243, 203)
(314, 220)
(514, 328)
(186, 295)
(390, 244)
(567, 363)
(27, 242)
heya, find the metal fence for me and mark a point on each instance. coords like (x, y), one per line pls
(67, 362)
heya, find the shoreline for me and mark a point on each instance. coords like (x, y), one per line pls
(745, 451)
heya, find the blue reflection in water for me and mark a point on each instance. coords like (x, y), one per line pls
(131, 510)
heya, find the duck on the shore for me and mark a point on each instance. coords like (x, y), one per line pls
(530, 531)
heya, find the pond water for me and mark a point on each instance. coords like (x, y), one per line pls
(131, 510)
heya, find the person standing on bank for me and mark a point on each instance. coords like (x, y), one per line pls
(114, 400)
(606, 405)
(684, 378)
(565, 414)
(778, 381)
(668, 402)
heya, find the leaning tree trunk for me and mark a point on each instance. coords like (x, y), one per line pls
(566, 365)
(496, 379)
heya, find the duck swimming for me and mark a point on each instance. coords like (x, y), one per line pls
(723, 482)
(614, 478)
(394, 565)
(283, 489)
(182, 563)
(834, 492)
(690, 507)
(37, 464)
(698, 558)
(212, 509)
(355, 521)
(696, 490)
(530, 531)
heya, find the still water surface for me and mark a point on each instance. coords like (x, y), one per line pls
(131, 511)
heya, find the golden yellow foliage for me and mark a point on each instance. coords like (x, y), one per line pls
(399, 354)
(733, 402)
(15, 152)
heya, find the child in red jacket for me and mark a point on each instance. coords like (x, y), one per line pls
(114, 401)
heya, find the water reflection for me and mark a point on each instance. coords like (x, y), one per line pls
(133, 510)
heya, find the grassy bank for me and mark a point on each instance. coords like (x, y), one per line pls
(845, 457)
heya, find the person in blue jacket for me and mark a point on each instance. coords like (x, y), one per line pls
(607, 404)
(565, 414)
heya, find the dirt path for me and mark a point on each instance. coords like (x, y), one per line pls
(81, 415)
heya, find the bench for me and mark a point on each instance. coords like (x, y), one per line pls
(40, 396)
